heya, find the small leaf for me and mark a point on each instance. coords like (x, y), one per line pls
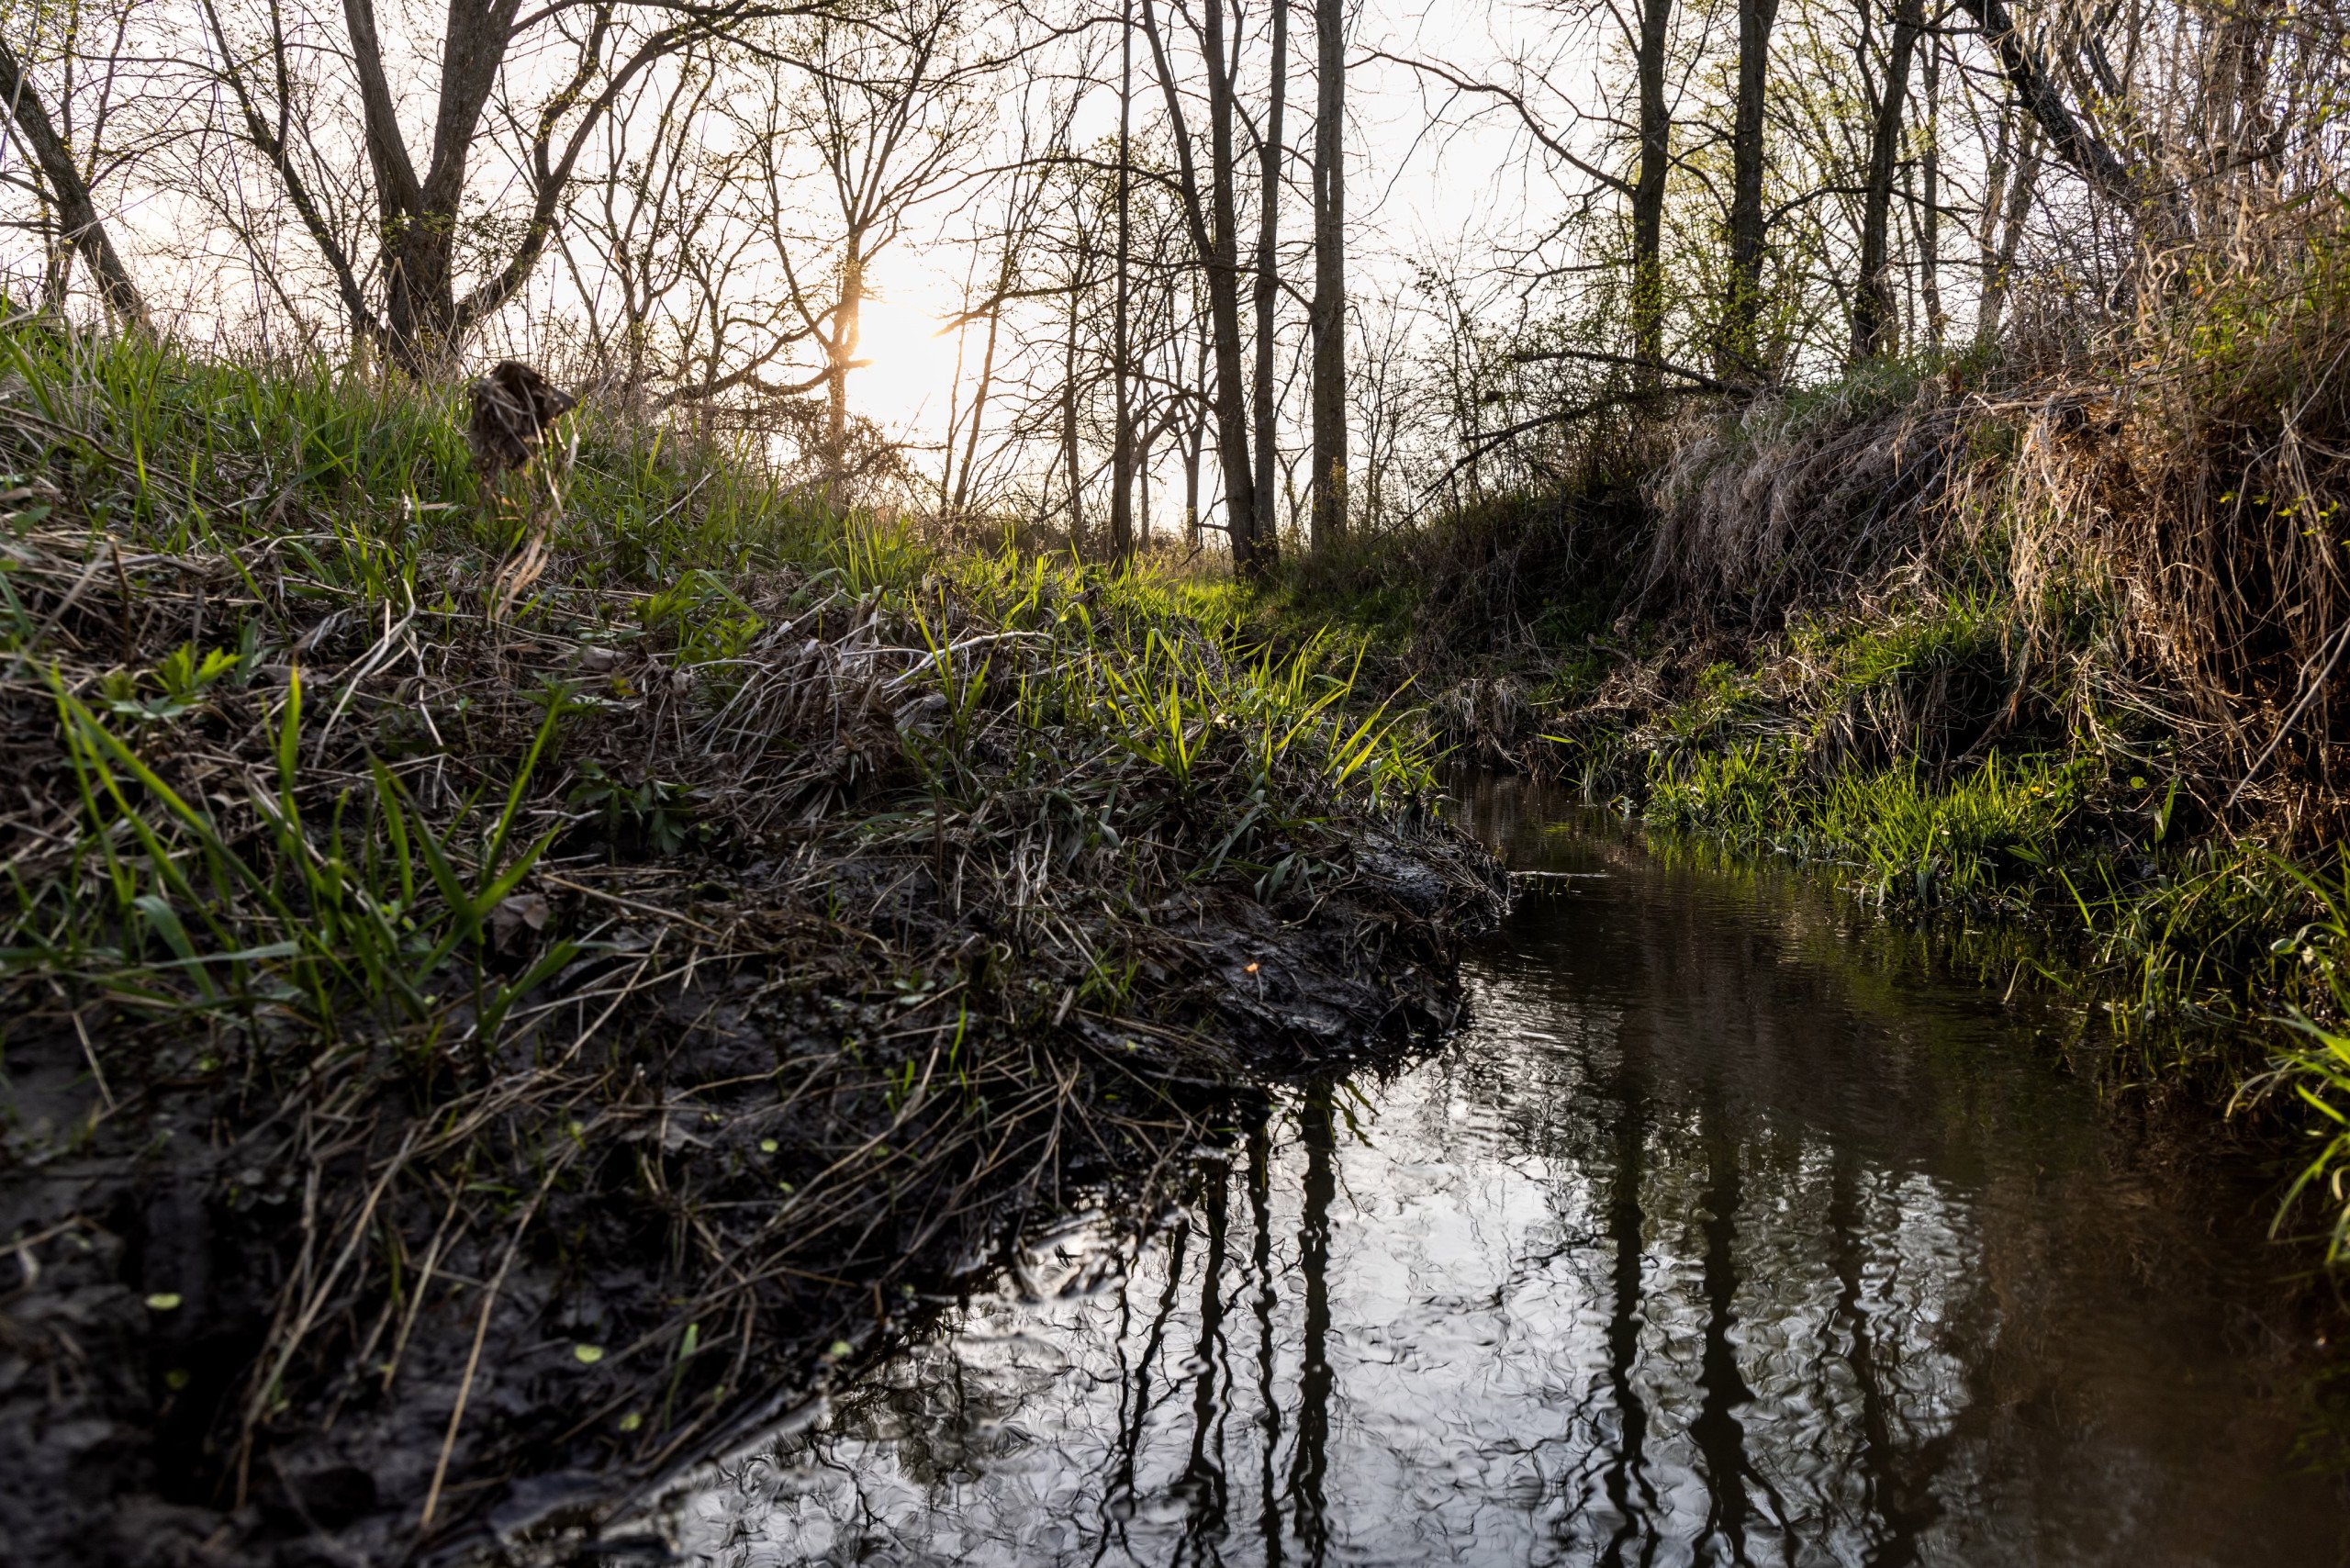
(164, 1301)
(516, 914)
(586, 1355)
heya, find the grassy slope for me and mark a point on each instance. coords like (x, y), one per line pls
(445, 1047)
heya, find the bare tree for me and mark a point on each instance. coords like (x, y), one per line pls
(406, 292)
(1122, 479)
(84, 234)
(885, 119)
(1019, 198)
(1655, 39)
(1214, 220)
(1328, 318)
(2007, 208)
(1872, 313)
(2075, 141)
(1929, 209)
(1748, 226)
(649, 252)
(1267, 285)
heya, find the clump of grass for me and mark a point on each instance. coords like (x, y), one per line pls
(1983, 839)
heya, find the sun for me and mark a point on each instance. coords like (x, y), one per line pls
(909, 351)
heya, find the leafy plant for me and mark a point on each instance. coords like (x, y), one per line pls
(650, 813)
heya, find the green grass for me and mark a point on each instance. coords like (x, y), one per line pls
(1985, 839)
(358, 500)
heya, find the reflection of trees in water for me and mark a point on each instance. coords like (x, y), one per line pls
(1674, 1256)
(1203, 1481)
(1629, 1492)
(1901, 1500)
(1310, 1468)
(1128, 1445)
(1260, 1262)
(1123, 1493)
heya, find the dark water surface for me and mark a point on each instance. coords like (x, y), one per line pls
(1708, 1241)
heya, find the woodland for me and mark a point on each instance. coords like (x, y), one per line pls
(660, 657)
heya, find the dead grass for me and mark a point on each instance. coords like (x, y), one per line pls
(2162, 518)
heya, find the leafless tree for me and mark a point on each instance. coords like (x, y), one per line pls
(1212, 216)
(65, 181)
(1329, 311)
(1873, 311)
(883, 120)
(432, 267)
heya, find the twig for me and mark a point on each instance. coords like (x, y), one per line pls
(2341, 641)
(481, 1332)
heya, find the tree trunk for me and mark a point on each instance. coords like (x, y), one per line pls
(1121, 464)
(1071, 457)
(1330, 313)
(420, 217)
(1267, 285)
(1195, 431)
(987, 380)
(1142, 476)
(1213, 226)
(83, 233)
(419, 296)
(1873, 312)
(2074, 142)
(1647, 190)
(1741, 351)
(2003, 235)
(954, 403)
(1929, 219)
(1191, 458)
(841, 351)
(1223, 307)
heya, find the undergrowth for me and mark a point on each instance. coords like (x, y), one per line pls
(1915, 754)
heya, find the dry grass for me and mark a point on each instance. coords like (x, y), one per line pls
(2163, 516)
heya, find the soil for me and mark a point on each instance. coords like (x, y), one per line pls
(667, 1284)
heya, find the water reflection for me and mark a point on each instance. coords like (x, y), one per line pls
(1708, 1244)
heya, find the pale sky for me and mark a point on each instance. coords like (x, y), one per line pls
(1418, 190)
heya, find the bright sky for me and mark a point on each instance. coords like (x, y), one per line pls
(1416, 191)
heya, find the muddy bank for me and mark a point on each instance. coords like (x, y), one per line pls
(467, 1050)
(666, 1236)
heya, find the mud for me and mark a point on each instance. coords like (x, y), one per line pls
(161, 1246)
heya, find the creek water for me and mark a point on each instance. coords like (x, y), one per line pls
(1713, 1237)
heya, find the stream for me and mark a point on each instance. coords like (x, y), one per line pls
(1713, 1237)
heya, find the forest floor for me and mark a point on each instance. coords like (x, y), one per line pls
(506, 984)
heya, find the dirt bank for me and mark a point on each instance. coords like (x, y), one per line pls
(725, 1189)
(501, 990)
